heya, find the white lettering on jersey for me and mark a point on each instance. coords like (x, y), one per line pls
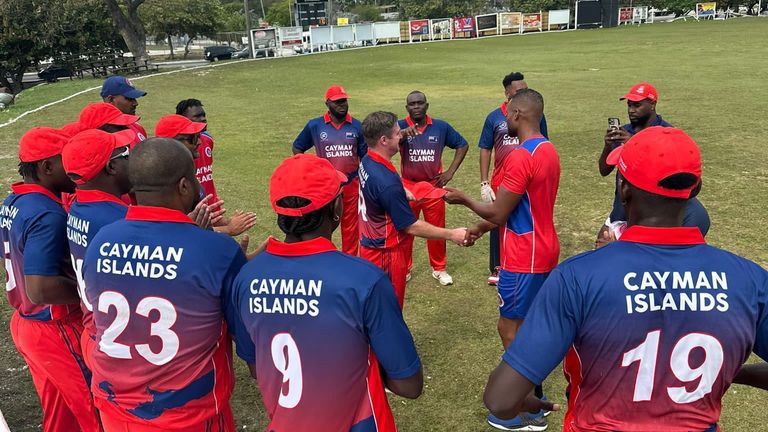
(653, 291)
(286, 296)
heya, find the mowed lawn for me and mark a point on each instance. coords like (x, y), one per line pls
(711, 80)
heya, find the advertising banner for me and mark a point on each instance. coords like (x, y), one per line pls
(532, 21)
(511, 20)
(289, 36)
(625, 15)
(419, 27)
(705, 10)
(342, 21)
(441, 28)
(463, 24)
(487, 22)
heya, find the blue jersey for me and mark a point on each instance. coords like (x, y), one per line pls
(91, 211)
(33, 230)
(313, 326)
(383, 211)
(160, 288)
(343, 145)
(659, 321)
(421, 156)
(494, 137)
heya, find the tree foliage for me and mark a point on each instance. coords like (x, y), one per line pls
(191, 18)
(537, 5)
(35, 30)
(279, 14)
(125, 16)
(415, 9)
(366, 13)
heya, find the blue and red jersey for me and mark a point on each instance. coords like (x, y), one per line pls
(383, 209)
(343, 145)
(204, 166)
(421, 156)
(90, 212)
(494, 137)
(655, 327)
(160, 288)
(529, 242)
(33, 229)
(313, 327)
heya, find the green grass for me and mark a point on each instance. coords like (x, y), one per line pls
(711, 79)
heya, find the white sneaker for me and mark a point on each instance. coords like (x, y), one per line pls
(408, 277)
(442, 277)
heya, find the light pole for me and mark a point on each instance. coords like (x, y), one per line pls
(248, 25)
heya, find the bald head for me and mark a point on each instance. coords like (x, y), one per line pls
(524, 112)
(159, 163)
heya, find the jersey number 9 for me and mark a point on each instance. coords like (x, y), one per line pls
(287, 361)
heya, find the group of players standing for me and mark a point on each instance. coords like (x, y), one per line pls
(162, 295)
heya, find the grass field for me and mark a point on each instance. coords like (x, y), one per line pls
(712, 82)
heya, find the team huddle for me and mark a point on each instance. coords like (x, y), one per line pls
(131, 295)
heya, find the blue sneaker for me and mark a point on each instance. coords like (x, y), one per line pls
(523, 422)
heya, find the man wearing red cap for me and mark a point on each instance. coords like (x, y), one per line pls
(649, 319)
(103, 116)
(47, 324)
(98, 164)
(188, 133)
(119, 91)
(338, 137)
(641, 108)
(421, 161)
(386, 219)
(193, 110)
(313, 340)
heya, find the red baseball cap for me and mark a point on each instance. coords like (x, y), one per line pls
(41, 143)
(654, 154)
(425, 190)
(96, 115)
(71, 129)
(640, 92)
(335, 93)
(173, 125)
(306, 176)
(89, 151)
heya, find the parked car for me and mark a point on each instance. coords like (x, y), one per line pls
(53, 72)
(242, 54)
(219, 52)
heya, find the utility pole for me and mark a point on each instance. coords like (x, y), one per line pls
(248, 26)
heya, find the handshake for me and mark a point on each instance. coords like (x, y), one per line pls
(465, 236)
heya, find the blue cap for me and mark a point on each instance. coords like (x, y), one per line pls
(120, 86)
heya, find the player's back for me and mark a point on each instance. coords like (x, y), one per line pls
(663, 329)
(157, 283)
(31, 224)
(313, 314)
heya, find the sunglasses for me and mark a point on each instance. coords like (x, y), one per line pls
(123, 154)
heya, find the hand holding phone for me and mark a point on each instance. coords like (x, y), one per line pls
(614, 123)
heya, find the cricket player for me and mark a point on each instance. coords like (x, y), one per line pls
(496, 140)
(386, 219)
(119, 91)
(160, 288)
(97, 162)
(641, 110)
(653, 327)
(317, 316)
(338, 137)
(46, 325)
(524, 209)
(421, 152)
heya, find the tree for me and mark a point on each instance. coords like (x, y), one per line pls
(366, 13)
(125, 16)
(193, 18)
(279, 13)
(36, 30)
(416, 9)
(538, 5)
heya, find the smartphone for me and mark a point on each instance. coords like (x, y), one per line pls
(614, 123)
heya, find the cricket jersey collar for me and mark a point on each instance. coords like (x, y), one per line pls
(309, 247)
(504, 108)
(93, 195)
(156, 214)
(22, 188)
(409, 121)
(327, 119)
(380, 159)
(663, 236)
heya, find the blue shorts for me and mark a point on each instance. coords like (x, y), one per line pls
(517, 291)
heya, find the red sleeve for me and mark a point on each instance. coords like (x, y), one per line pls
(518, 171)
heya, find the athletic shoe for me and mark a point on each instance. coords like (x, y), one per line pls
(523, 422)
(408, 277)
(493, 279)
(545, 412)
(442, 277)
